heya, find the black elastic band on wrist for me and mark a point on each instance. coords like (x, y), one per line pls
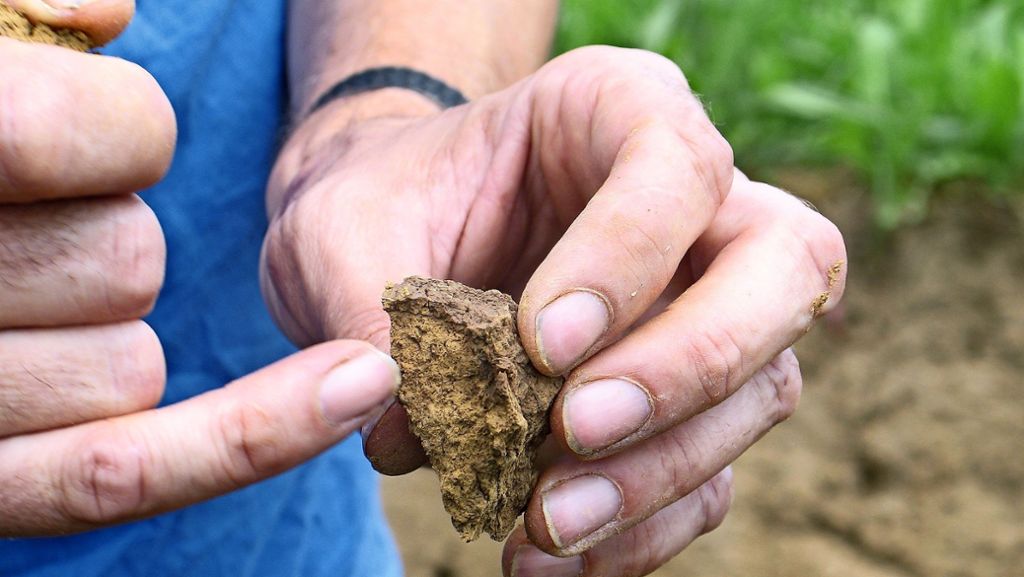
(392, 77)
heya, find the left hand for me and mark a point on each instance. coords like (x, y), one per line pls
(667, 287)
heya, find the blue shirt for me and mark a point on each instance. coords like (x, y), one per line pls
(221, 62)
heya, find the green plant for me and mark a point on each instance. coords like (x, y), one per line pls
(910, 93)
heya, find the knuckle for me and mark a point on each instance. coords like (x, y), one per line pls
(716, 358)
(104, 479)
(276, 251)
(250, 443)
(285, 262)
(822, 239)
(716, 500)
(660, 67)
(781, 384)
(625, 74)
(648, 542)
(721, 159)
(629, 59)
(682, 462)
(606, 53)
(625, 66)
(814, 242)
(137, 367)
(300, 227)
(646, 246)
(593, 52)
(137, 257)
(831, 257)
(157, 119)
(710, 154)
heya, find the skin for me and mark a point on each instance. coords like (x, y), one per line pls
(597, 174)
(81, 261)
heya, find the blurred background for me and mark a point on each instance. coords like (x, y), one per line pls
(903, 121)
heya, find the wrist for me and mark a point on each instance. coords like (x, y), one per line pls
(392, 102)
(329, 134)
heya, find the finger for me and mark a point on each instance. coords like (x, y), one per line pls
(310, 314)
(352, 308)
(88, 261)
(134, 466)
(670, 172)
(100, 20)
(390, 445)
(577, 505)
(57, 378)
(618, 255)
(314, 297)
(74, 124)
(638, 551)
(776, 267)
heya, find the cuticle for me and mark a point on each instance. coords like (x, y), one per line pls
(607, 326)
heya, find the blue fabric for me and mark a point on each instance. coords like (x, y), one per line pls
(221, 63)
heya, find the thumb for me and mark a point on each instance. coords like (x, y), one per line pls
(100, 20)
(140, 465)
(349, 306)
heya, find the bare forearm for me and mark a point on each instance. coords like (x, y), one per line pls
(477, 46)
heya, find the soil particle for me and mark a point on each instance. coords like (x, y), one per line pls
(473, 397)
(14, 25)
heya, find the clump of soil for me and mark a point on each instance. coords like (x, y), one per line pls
(15, 25)
(473, 398)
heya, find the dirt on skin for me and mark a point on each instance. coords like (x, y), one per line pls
(904, 458)
(14, 25)
(473, 398)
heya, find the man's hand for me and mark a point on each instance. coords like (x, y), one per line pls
(81, 261)
(667, 287)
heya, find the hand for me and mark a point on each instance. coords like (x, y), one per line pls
(81, 261)
(667, 287)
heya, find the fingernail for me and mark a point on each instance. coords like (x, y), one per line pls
(602, 413)
(578, 507)
(530, 561)
(65, 4)
(569, 326)
(358, 386)
(375, 417)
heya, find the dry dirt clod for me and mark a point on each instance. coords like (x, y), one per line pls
(473, 398)
(14, 25)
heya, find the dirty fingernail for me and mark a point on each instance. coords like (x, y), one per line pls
(578, 507)
(356, 387)
(532, 562)
(602, 413)
(569, 326)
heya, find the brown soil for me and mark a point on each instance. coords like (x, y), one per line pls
(473, 398)
(14, 25)
(905, 456)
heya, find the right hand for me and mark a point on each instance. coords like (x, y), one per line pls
(81, 262)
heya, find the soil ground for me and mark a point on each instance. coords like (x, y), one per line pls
(905, 457)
